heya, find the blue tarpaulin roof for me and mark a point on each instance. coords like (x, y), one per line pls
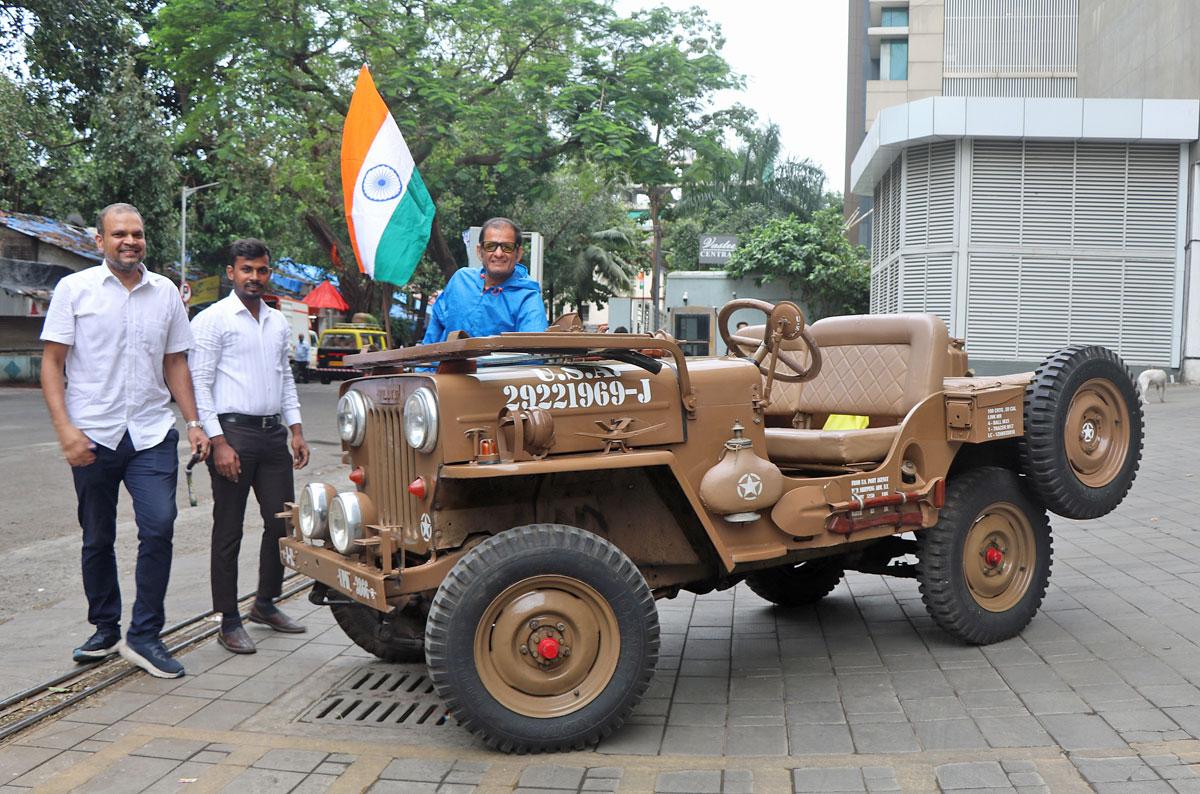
(62, 235)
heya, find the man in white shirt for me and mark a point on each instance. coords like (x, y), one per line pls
(301, 358)
(121, 335)
(247, 398)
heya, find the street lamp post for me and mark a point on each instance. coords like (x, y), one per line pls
(183, 197)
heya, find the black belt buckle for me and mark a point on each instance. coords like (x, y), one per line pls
(261, 422)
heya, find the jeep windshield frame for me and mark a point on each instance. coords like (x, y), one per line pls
(626, 348)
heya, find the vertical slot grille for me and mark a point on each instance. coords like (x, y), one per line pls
(393, 467)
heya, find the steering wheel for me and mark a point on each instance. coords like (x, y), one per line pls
(785, 322)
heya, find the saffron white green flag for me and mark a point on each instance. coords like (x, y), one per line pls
(388, 209)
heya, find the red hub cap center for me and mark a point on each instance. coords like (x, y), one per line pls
(548, 648)
(993, 556)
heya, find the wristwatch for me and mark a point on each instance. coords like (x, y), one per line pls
(194, 423)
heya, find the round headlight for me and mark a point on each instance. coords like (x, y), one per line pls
(345, 521)
(352, 417)
(421, 420)
(314, 510)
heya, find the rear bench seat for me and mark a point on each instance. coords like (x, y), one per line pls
(877, 365)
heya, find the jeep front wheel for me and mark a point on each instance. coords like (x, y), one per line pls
(542, 638)
(985, 565)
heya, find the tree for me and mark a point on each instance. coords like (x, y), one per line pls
(591, 247)
(756, 174)
(814, 259)
(37, 148)
(131, 160)
(732, 191)
(491, 98)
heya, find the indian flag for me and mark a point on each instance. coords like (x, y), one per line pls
(388, 209)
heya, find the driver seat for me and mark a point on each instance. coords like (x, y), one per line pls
(877, 365)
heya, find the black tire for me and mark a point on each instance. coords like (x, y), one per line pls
(324, 380)
(968, 603)
(482, 599)
(1083, 432)
(364, 626)
(798, 585)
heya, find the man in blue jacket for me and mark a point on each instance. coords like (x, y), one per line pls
(496, 298)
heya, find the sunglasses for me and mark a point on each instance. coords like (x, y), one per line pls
(492, 245)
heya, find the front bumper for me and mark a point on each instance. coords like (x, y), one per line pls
(365, 584)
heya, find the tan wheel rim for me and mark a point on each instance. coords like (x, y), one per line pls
(1097, 433)
(547, 646)
(999, 557)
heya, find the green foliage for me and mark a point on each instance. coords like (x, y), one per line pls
(814, 259)
(592, 250)
(506, 104)
(733, 191)
(131, 161)
(36, 152)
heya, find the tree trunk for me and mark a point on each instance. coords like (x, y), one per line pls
(439, 250)
(422, 319)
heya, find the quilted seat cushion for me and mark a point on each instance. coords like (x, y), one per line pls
(834, 447)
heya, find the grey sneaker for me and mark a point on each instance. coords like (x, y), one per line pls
(152, 657)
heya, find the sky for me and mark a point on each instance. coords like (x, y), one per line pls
(792, 54)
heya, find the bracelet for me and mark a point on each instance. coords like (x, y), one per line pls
(194, 423)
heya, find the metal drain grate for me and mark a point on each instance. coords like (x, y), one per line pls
(382, 696)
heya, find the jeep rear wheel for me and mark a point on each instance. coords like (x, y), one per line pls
(797, 585)
(367, 628)
(985, 565)
(1083, 432)
(542, 638)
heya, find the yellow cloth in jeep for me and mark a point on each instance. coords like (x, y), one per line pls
(846, 422)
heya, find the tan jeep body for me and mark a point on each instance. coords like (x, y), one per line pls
(711, 470)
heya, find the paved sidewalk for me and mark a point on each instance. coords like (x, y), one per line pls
(862, 693)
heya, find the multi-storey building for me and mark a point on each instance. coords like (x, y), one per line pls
(1031, 171)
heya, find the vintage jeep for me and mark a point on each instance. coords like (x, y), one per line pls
(513, 521)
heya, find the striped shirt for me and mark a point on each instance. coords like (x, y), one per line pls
(118, 338)
(240, 365)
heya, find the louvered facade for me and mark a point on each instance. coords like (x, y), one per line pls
(1073, 242)
(1024, 246)
(1010, 48)
(912, 252)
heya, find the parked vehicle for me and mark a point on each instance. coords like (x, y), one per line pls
(512, 522)
(339, 341)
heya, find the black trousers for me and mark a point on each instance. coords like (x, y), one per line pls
(267, 468)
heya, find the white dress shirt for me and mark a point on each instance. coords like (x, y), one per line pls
(118, 338)
(240, 365)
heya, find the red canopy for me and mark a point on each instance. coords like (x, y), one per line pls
(326, 296)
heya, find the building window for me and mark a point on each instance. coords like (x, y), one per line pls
(893, 59)
(895, 18)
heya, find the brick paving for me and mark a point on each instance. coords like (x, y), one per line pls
(861, 693)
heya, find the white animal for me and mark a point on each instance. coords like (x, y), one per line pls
(1152, 379)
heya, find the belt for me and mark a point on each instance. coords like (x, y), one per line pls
(261, 422)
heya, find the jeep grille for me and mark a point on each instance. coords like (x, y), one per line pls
(393, 467)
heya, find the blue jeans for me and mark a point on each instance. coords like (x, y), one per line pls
(150, 477)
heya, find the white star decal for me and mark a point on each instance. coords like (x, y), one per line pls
(749, 486)
(426, 526)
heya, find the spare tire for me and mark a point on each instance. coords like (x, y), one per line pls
(1083, 432)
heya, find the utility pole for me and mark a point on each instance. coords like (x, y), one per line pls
(183, 197)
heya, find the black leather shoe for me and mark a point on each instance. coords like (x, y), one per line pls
(236, 641)
(276, 620)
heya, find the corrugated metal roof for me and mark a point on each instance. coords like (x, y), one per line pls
(56, 233)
